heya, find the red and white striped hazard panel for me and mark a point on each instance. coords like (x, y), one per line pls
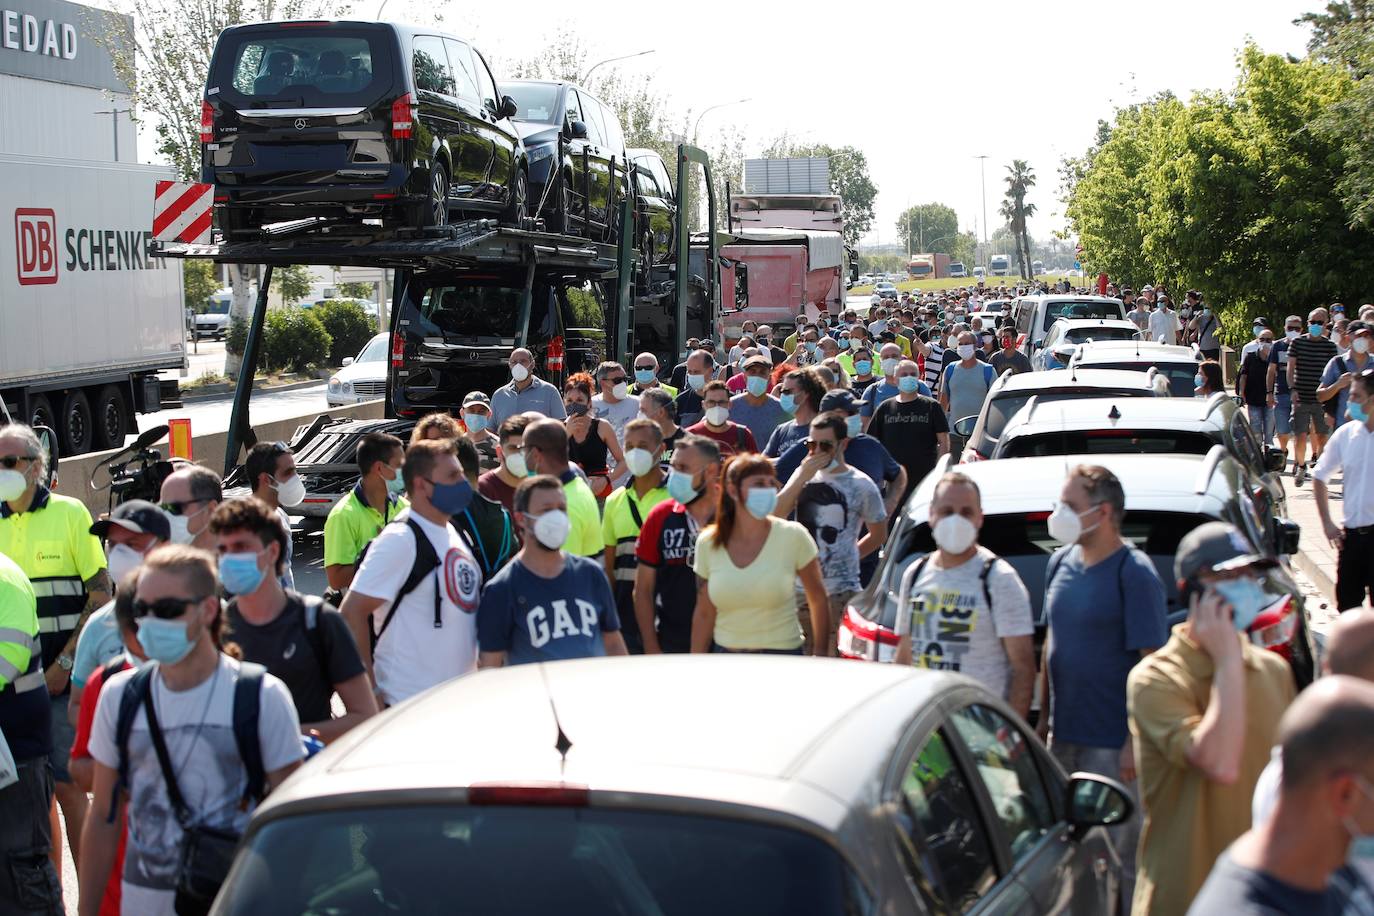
(181, 212)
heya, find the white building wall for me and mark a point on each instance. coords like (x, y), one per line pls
(41, 118)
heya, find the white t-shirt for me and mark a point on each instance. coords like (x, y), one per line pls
(1165, 323)
(617, 414)
(414, 655)
(197, 725)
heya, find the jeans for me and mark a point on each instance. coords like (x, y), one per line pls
(28, 880)
(1262, 419)
(1106, 761)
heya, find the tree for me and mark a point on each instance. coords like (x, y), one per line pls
(357, 290)
(292, 282)
(1020, 179)
(848, 178)
(199, 284)
(929, 228)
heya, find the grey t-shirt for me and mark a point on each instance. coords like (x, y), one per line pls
(834, 508)
(617, 414)
(951, 626)
(1239, 891)
(761, 419)
(966, 387)
(1016, 362)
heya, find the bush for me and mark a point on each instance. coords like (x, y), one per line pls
(293, 339)
(349, 326)
(237, 340)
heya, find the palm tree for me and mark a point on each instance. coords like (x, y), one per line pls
(1020, 179)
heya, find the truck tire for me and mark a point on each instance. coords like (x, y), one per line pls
(40, 412)
(111, 415)
(75, 426)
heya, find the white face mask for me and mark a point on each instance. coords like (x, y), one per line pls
(639, 461)
(120, 560)
(966, 351)
(620, 391)
(1360, 345)
(717, 416)
(1066, 525)
(551, 529)
(290, 492)
(12, 484)
(515, 464)
(181, 530)
(951, 341)
(519, 372)
(954, 534)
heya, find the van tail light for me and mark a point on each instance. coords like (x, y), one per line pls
(861, 638)
(553, 794)
(207, 122)
(398, 351)
(554, 360)
(403, 117)
(970, 455)
(1275, 627)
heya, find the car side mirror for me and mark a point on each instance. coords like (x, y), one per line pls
(348, 360)
(963, 427)
(508, 107)
(1275, 460)
(1096, 801)
(578, 130)
(1290, 533)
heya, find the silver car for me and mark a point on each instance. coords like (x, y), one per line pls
(685, 785)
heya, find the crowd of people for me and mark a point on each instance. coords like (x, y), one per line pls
(733, 503)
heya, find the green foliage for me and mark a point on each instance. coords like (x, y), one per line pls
(1020, 179)
(357, 290)
(292, 282)
(882, 263)
(348, 325)
(929, 229)
(293, 339)
(237, 339)
(198, 282)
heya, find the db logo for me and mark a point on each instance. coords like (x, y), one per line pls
(35, 239)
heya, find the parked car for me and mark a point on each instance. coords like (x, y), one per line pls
(1178, 364)
(956, 270)
(362, 378)
(214, 321)
(1149, 426)
(572, 138)
(1010, 393)
(657, 206)
(456, 331)
(993, 308)
(879, 791)
(356, 120)
(884, 290)
(1166, 497)
(1082, 330)
(979, 273)
(1035, 315)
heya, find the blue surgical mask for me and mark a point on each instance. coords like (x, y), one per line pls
(644, 376)
(890, 365)
(1246, 597)
(239, 572)
(1257, 330)
(396, 486)
(760, 501)
(475, 422)
(811, 346)
(863, 366)
(788, 402)
(1314, 329)
(164, 641)
(1198, 380)
(680, 486)
(696, 381)
(908, 384)
(853, 426)
(1356, 411)
(844, 343)
(755, 385)
(451, 498)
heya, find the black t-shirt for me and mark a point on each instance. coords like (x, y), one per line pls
(1239, 891)
(689, 408)
(487, 529)
(667, 542)
(1256, 372)
(909, 432)
(286, 650)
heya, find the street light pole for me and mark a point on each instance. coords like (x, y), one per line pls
(114, 113)
(611, 60)
(697, 125)
(983, 180)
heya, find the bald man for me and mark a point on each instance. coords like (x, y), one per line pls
(526, 392)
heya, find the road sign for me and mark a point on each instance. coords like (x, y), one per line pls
(179, 438)
(181, 212)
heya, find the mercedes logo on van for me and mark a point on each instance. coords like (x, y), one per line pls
(302, 124)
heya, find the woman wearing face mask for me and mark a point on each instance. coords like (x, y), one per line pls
(750, 562)
(863, 371)
(1208, 380)
(591, 439)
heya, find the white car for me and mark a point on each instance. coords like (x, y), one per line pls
(363, 378)
(1074, 331)
(884, 290)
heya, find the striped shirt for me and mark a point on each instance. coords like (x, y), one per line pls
(934, 364)
(1309, 355)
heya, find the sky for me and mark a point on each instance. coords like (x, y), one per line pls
(921, 88)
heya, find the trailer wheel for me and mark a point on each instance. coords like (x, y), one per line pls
(40, 412)
(111, 418)
(76, 427)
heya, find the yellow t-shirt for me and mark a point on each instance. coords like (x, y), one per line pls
(756, 607)
(584, 539)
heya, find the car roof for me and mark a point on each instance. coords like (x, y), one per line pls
(1114, 350)
(1183, 414)
(1073, 324)
(1082, 378)
(1071, 297)
(642, 728)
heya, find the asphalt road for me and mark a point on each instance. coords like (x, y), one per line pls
(212, 416)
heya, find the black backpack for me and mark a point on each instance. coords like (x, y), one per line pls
(426, 561)
(247, 697)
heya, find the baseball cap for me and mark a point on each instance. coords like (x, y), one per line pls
(476, 397)
(758, 359)
(1260, 322)
(1216, 547)
(839, 399)
(138, 516)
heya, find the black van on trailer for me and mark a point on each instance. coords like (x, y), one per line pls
(356, 120)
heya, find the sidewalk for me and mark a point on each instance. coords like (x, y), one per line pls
(1316, 557)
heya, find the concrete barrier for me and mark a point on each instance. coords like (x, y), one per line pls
(74, 474)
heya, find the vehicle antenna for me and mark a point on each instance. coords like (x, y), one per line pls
(562, 743)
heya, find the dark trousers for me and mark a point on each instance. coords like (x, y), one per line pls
(1355, 567)
(28, 881)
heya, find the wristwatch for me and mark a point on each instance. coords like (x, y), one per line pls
(65, 662)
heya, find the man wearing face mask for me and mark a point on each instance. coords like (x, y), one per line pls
(1204, 712)
(716, 423)
(624, 515)
(965, 386)
(477, 420)
(862, 452)
(701, 367)
(615, 404)
(967, 610)
(271, 469)
(1308, 358)
(546, 604)
(526, 392)
(754, 407)
(1105, 606)
(890, 357)
(546, 452)
(49, 537)
(132, 530)
(1351, 453)
(1008, 358)
(1345, 367)
(300, 639)
(499, 485)
(911, 426)
(192, 691)
(189, 496)
(1296, 861)
(1250, 385)
(646, 376)
(657, 407)
(417, 586)
(1280, 397)
(375, 501)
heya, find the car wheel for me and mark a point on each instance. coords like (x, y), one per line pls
(560, 217)
(519, 199)
(433, 211)
(76, 427)
(111, 418)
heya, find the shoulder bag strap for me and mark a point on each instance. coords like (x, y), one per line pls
(183, 813)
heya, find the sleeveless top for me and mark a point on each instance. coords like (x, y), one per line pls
(591, 452)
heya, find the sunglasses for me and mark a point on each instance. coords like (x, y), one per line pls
(818, 444)
(645, 368)
(617, 380)
(10, 462)
(179, 508)
(165, 608)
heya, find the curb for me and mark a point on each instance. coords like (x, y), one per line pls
(1315, 575)
(221, 390)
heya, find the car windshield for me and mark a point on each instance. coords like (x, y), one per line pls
(303, 66)
(1180, 375)
(1071, 309)
(1108, 442)
(537, 102)
(375, 351)
(1079, 335)
(451, 859)
(218, 308)
(467, 311)
(1002, 408)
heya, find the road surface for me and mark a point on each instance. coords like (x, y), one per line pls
(213, 416)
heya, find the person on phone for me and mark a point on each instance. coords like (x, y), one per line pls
(1204, 712)
(590, 438)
